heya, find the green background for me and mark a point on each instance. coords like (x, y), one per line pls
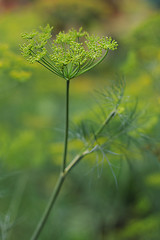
(32, 105)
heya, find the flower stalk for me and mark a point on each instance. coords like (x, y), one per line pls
(66, 126)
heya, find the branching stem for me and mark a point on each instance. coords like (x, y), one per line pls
(66, 169)
(56, 191)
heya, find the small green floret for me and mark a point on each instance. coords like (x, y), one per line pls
(69, 54)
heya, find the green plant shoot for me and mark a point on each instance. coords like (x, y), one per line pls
(68, 56)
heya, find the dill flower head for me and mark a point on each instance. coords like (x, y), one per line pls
(69, 54)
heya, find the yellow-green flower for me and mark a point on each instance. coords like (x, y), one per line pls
(69, 54)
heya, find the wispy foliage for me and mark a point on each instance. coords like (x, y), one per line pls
(117, 124)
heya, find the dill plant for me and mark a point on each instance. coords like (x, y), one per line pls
(68, 56)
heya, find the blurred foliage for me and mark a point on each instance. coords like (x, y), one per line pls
(13, 65)
(74, 13)
(31, 127)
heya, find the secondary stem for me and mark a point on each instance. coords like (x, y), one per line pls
(108, 119)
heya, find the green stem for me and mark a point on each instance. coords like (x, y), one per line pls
(49, 207)
(66, 126)
(108, 119)
(77, 159)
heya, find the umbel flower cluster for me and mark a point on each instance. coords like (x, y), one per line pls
(69, 54)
